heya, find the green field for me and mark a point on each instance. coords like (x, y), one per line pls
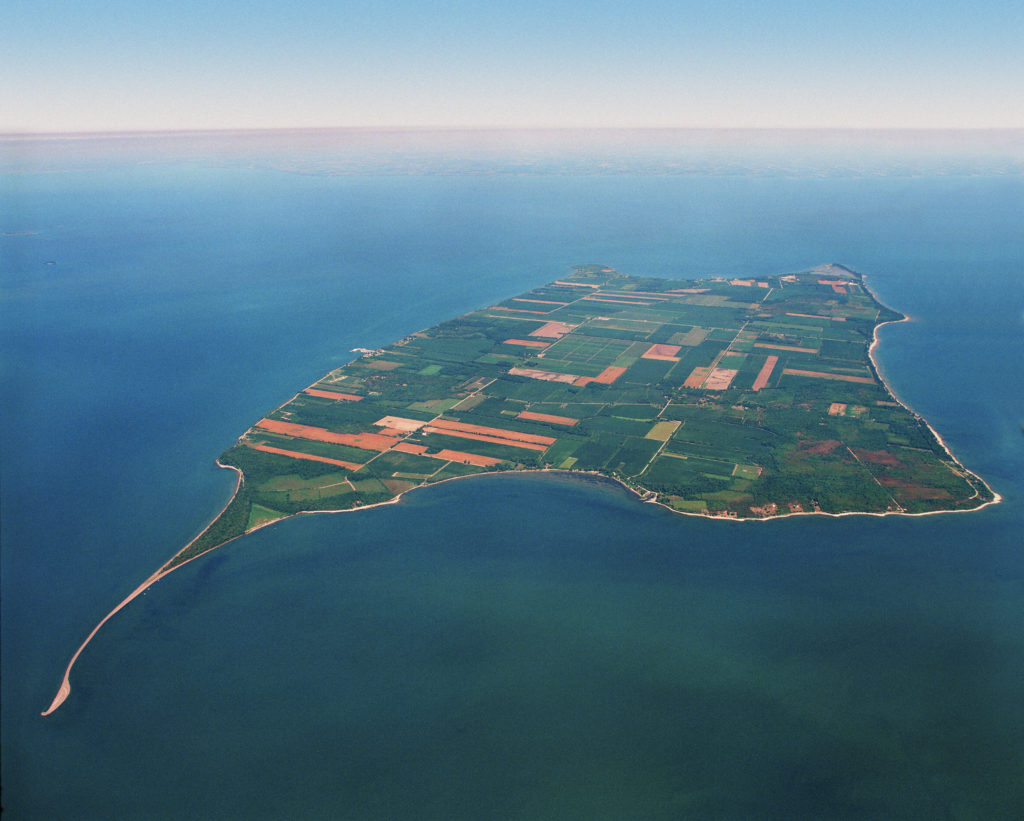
(446, 402)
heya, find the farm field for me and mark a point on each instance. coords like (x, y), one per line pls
(721, 397)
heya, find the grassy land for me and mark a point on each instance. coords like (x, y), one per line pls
(443, 403)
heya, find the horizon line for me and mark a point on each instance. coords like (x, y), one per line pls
(229, 131)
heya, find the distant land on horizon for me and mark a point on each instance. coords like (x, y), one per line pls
(498, 128)
(531, 151)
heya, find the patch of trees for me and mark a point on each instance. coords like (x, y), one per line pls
(230, 524)
(259, 466)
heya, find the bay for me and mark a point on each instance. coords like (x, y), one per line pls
(507, 647)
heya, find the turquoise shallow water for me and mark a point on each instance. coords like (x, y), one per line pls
(504, 647)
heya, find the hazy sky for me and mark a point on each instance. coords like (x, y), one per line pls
(87, 65)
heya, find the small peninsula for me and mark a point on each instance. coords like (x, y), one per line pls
(736, 398)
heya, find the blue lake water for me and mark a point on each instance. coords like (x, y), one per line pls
(500, 647)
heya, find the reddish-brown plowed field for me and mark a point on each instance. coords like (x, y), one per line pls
(865, 380)
(720, 379)
(665, 353)
(774, 347)
(606, 377)
(480, 437)
(831, 282)
(529, 343)
(547, 417)
(516, 436)
(765, 373)
(400, 423)
(545, 376)
(467, 458)
(449, 455)
(409, 447)
(616, 301)
(839, 289)
(689, 290)
(366, 441)
(634, 294)
(348, 397)
(296, 455)
(553, 329)
(696, 377)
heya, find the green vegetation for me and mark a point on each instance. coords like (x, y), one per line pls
(736, 398)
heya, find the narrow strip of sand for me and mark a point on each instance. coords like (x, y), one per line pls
(65, 686)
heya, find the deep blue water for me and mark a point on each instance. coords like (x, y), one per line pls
(502, 647)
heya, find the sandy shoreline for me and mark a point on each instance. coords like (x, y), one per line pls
(65, 687)
(996, 498)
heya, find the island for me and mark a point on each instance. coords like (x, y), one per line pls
(734, 398)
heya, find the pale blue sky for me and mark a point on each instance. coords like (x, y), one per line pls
(142, 64)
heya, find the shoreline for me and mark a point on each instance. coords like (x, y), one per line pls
(996, 497)
(64, 690)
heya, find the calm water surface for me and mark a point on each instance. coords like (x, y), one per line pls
(504, 647)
